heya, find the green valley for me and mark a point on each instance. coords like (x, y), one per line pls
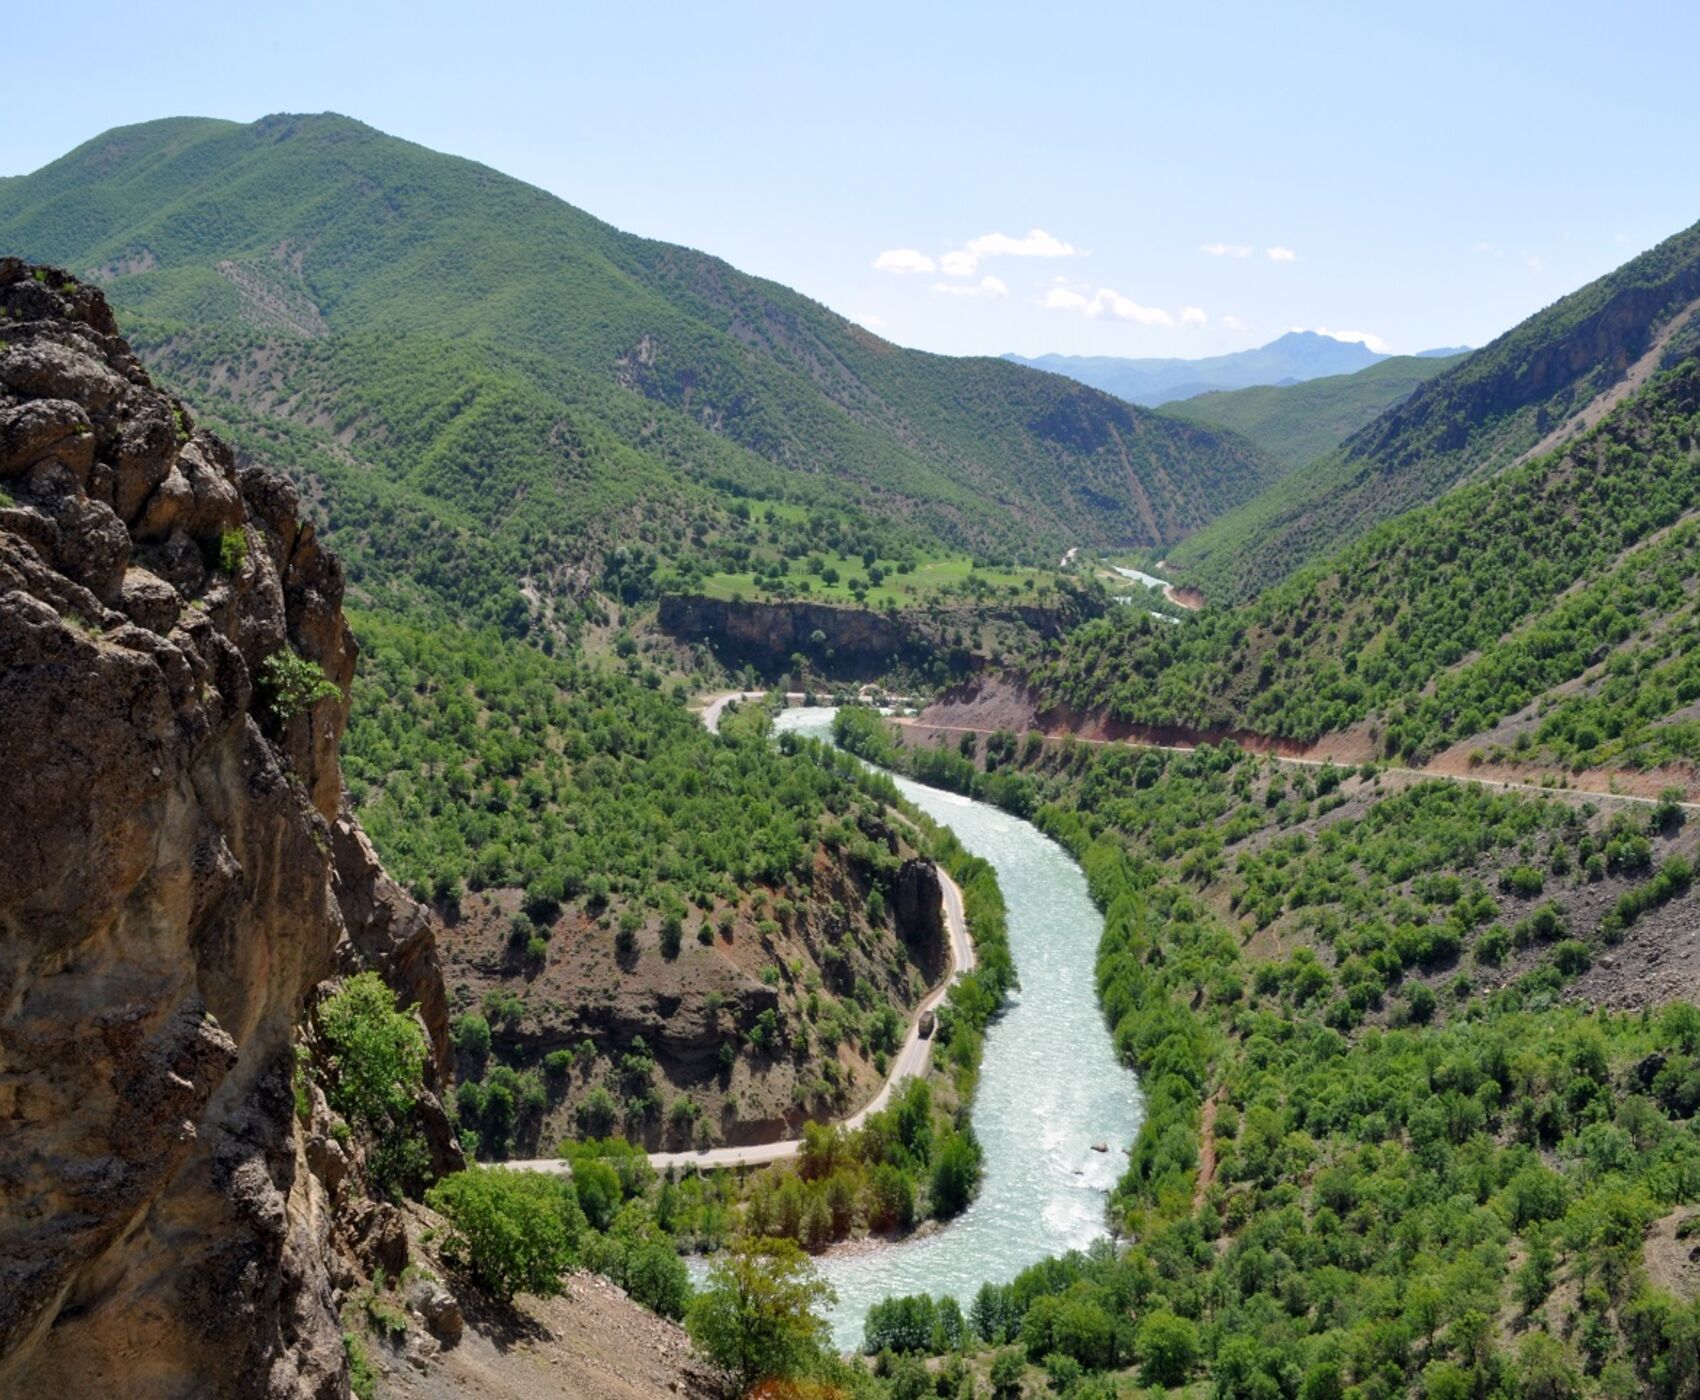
(583, 823)
(1526, 589)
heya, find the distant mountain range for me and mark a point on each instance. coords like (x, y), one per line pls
(1289, 359)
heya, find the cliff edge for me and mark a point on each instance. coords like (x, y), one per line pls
(174, 678)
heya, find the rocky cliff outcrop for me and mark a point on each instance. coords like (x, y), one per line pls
(174, 672)
(850, 643)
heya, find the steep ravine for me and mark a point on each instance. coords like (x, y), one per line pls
(176, 881)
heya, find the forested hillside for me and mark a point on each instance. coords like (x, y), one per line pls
(516, 423)
(1297, 423)
(1391, 1147)
(514, 382)
(1539, 384)
(1568, 581)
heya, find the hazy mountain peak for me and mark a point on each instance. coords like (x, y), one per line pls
(1290, 358)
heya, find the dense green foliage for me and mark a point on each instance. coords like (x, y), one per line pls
(372, 1065)
(1427, 1170)
(519, 1231)
(1297, 423)
(757, 1315)
(505, 360)
(476, 762)
(901, 1166)
(1478, 416)
(1000, 782)
(1440, 624)
(513, 1232)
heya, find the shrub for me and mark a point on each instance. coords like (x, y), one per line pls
(1524, 881)
(513, 1232)
(233, 550)
(598, 1114)
(377, 1054)
(472, 1037)
(599, 1193)
(291, 683)
(756, 1317)
(956, 1172)
(1008, 1367)
(1167, 1346)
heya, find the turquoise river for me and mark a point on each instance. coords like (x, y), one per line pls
(1050, 1086)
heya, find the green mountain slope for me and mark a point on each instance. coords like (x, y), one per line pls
(1572, 577)
(1541, 381)
(420, 333)
(1297, 423)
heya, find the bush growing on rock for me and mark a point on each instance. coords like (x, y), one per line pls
(512, 1231)
(374, 1071)
(292, 684)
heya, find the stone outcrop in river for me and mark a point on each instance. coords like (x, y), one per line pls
(175, 883)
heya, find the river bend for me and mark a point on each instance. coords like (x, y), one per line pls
(1050, 1083)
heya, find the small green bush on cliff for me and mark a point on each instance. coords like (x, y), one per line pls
(512, 1231)
(291, 683)
(373, 1070)
(232, 550)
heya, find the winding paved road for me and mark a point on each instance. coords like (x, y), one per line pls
(913, 1057)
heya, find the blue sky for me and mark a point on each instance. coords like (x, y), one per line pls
(1096, 179)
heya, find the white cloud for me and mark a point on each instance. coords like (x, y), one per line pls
(1062, 299)
(1106, 301)
(1232, 323)
(903, 260)
(1227, 250)
(985, 287)
(1036, 243)
(1112, 303)
(1535, 262)
(1368, 339)
(1279, 254)
(871, 321)
(1194, 316)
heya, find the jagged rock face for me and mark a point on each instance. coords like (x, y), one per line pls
(392, 932)
(918, 912)
(167, 891)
